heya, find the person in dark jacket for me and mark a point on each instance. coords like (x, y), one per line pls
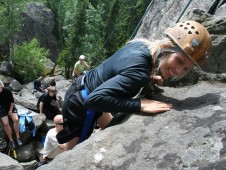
(48, 103)
(8, 109)
(111, 86)
(38, 85)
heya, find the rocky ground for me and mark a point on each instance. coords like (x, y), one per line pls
(190, 137)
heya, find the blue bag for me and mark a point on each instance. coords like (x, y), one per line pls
(26, 123)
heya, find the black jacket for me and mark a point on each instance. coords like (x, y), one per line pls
(113, 83)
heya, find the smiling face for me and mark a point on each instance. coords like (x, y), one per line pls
(175, 65)
(81, 61)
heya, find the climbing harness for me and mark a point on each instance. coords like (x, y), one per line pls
(89, 115)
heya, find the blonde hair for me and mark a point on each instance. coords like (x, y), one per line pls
(155, 46)
(40, 78)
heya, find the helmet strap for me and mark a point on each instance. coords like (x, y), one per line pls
(158, 54)
(172, 49)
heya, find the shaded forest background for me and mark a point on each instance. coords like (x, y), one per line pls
(95, 28)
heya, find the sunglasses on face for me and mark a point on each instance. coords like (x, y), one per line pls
(59, 124)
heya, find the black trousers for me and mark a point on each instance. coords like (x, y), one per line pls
(51, 111)
(73, 110)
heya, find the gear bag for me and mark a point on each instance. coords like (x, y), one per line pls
(12, 152)
(3, 145)
(26, 122)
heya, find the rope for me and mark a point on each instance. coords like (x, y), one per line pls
(138, 25)
(183, 11)
(115, 28)
(116, 22)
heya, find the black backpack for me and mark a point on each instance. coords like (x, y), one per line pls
(3, 145)
(29, 124)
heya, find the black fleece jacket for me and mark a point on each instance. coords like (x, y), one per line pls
(113, 83)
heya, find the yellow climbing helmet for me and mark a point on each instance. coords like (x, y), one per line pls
(193, 39)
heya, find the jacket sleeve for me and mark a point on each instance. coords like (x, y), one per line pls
(116, 94)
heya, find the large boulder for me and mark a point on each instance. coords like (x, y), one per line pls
(38, 22)
(31, 165)
(7, 163)
(16, 86)
(7, 68)
(190, 136)
(6, 79)
(162, 14)
(48, 67)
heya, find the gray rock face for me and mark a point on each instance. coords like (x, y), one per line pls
(163, 14)
(7, 163)
(39, 23)
(190, 136)
(7, 68)
(16, 86)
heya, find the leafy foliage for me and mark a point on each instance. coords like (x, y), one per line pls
(93, 38)
(11, 21)
(29, 60)
(100, 27)
(95, 28)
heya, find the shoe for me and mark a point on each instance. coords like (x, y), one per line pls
(19, 142)
(13, 145)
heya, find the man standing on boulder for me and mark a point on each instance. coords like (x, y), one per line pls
(80, 67)
(8, 109)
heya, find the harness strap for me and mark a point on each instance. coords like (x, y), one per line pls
(89, 115)
(84, 91)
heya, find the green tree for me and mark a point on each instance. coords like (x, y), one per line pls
(123, 19)
(73, 40)
(93, 39)
(10, 21)
(97, 28)
(29, 60)
(64, 59)
(64, 12)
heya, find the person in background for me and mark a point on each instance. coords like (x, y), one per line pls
(51, 146)
(38, 85)
(111, 86)
(53, 82)
(45, 104)
(80, 66)
(8, 109)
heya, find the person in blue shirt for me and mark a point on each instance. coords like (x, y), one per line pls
(112, 85)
